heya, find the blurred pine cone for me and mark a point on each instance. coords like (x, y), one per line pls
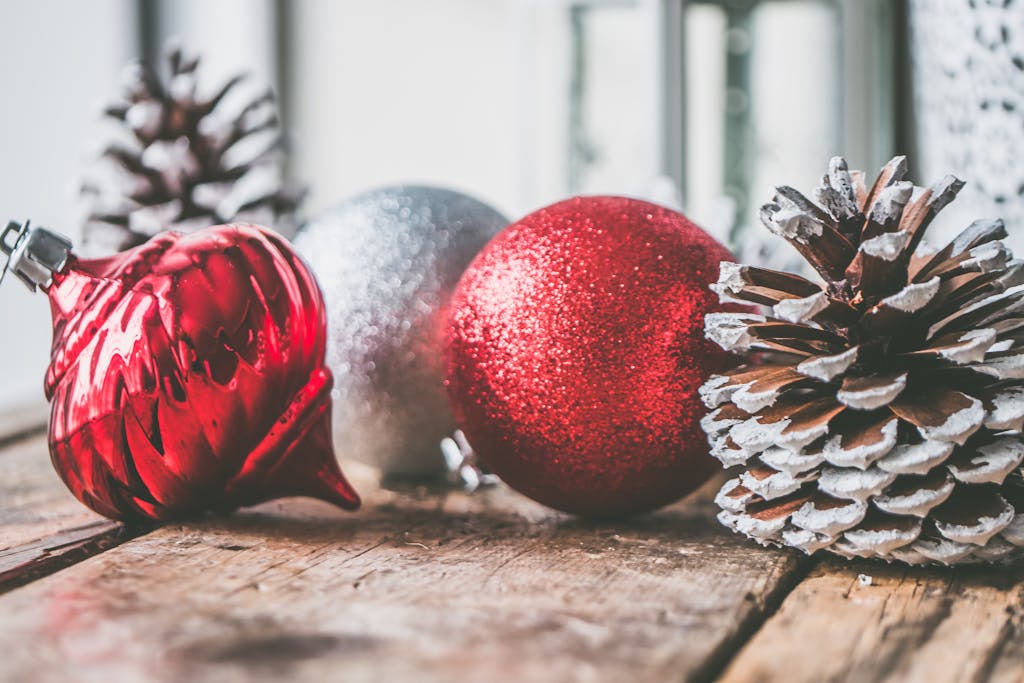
(882, 414)
(181, 161)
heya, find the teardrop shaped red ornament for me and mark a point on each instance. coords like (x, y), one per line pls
(187, 375)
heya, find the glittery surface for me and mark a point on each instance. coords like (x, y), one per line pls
(575, 350)
(388, 261)
(188, 375)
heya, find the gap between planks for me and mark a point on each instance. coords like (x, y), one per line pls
(719, 660)
(42, 527)
(31, 561)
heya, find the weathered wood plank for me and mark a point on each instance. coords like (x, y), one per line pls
(412, 588)
(34, 503)
(42, 527)
(24, 563)
(871, 622)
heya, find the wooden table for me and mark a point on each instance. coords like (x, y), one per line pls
(447, 586)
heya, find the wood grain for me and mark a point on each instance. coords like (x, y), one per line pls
(872, 622)
(43, 527)
(27, 562)
(415, 587)
(34, 503)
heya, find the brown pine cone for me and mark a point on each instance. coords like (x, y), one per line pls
(181, 161)
(881, 414)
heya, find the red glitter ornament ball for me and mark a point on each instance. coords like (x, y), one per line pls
(188, 375)
(575, 350)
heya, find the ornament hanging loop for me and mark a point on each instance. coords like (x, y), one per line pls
(33, 254)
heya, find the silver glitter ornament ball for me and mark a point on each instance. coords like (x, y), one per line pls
(387, 261)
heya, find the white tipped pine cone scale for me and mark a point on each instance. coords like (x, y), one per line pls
(881, 412)
(178, 160)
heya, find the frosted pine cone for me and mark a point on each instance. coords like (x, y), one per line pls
(882, 414)
(181, 161)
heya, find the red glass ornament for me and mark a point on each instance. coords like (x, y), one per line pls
(188, 375)
(575, 351)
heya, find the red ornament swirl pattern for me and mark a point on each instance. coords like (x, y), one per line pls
(188, 375)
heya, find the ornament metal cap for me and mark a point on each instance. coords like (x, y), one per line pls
(34, 254)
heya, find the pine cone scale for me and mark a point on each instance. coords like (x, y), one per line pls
(916, 496)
